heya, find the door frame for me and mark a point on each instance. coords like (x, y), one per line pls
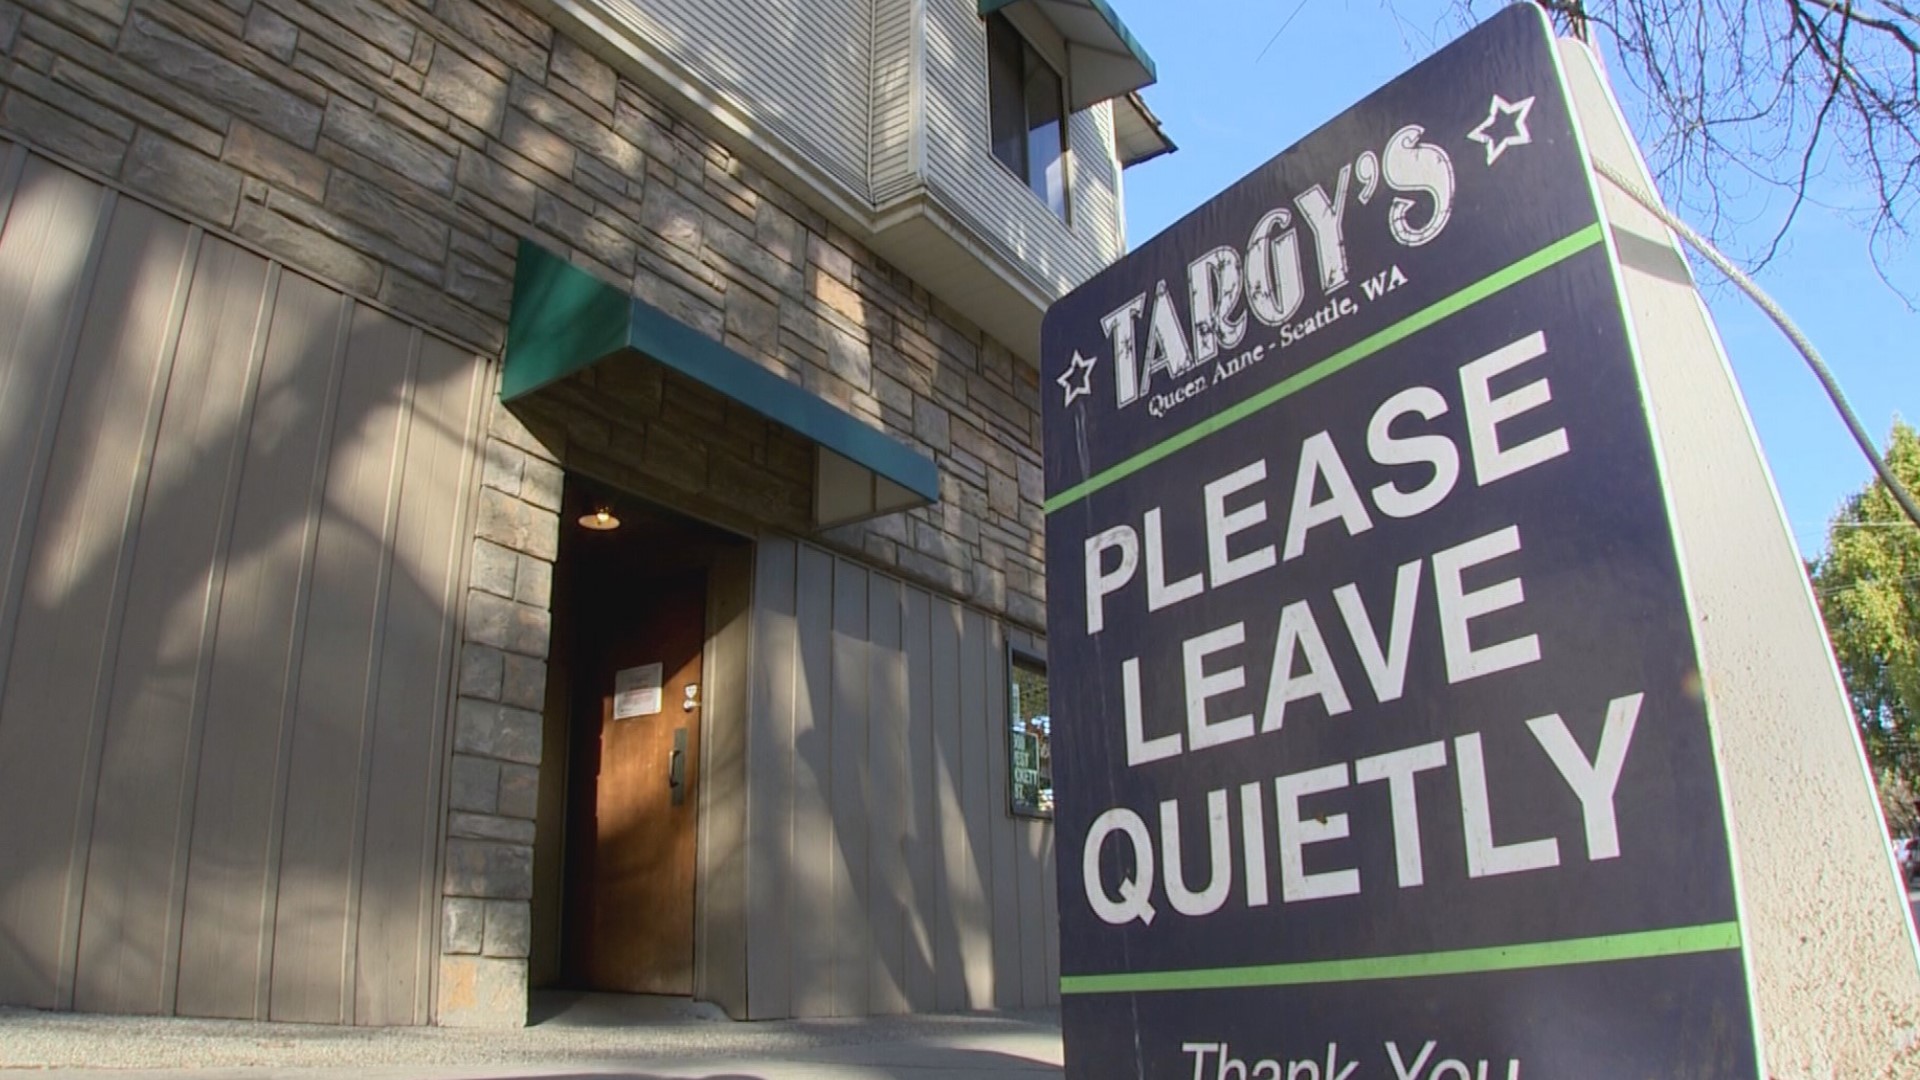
(720, 835)
(720, 879)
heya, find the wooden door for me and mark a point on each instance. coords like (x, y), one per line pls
(640, 895)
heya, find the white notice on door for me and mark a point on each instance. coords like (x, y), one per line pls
(636, 691)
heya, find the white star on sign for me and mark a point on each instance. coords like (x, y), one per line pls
(1077, 380)
(1501, 108)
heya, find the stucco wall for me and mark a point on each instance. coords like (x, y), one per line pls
(1829, 942)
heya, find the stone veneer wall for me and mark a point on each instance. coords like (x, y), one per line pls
(400, 149)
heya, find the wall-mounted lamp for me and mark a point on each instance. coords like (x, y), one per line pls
(601, 520)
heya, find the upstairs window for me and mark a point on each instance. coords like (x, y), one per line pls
(1027, 101)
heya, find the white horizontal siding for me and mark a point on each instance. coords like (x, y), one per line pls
(892, 168)
(962, 171)
(1096, 181)
(803, 70)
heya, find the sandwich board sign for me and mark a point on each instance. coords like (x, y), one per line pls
(1384, 750)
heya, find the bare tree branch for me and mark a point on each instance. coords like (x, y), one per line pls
(1753, 110)
(1852, 17)
(1813, 144)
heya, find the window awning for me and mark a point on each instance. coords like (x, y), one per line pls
(1137, 135)
(564, 320)
(1103, 59)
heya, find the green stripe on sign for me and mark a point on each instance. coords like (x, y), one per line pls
(1713, 937)
(1555, 252)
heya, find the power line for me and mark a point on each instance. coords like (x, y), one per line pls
(1302, 6)
(1867, 584)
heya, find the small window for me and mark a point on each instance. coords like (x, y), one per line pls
(1027, 103)
(1030, 737)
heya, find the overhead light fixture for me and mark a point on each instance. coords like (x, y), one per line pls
(601, 520)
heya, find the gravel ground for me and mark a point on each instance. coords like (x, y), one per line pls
(575, 1033)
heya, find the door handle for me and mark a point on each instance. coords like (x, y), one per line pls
(677, 767)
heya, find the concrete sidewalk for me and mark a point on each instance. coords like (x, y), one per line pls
(571, 1035)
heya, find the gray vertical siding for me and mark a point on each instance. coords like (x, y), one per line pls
(955, 909)
(970, 862)
(888, 850)
(886, 873)
(233, 504)
(919, 835)
(770, 782)
(814, 849)
(53, 718)
(402, 742)
(849, 766)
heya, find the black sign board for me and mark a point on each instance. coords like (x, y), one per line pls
(1381, 746)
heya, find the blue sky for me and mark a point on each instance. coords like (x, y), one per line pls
(1230, 108)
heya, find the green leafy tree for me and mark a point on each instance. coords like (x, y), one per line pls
(1868, 583)
(1898, 803)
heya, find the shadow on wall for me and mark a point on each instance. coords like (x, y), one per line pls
(920, 935)
(235, 510)
(846, 869)
(819, 96)
(911, 886)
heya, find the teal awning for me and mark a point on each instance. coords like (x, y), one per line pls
(1103, 59)
(564, 320)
